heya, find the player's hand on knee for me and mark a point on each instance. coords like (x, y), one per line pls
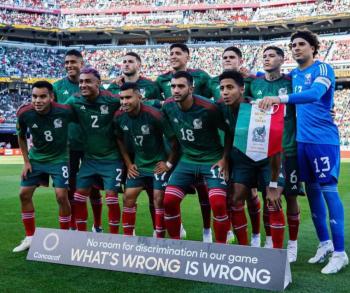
(26, 168)
(273, 198)
(222, 166)
(161, 167)
(132, 171)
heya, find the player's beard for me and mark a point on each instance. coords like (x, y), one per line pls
(129, 74)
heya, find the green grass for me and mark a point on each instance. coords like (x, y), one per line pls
(18, 274)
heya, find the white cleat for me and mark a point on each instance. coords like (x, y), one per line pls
(292, 250)
(255, 241)
(268, 242)
(183, 233)
(230, 238)
(337, 261)
(97, 229)
(323, 250)
(207, 236)
(154, 234)
(25, 244)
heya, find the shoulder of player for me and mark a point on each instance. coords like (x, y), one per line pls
(153, 112)
(145, 80)
(286, 77)
(323, 68)
(165, 76)
(169, 101)
(109, 95)
(61, 107)
(220, 101)
(204, 102)
(26, 107)
(119, 113)
(197, 71)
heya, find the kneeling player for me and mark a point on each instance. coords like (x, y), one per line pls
(195, 121)
(47, 122)
(145, 126)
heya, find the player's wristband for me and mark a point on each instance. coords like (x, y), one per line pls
(168, 164)
(273, 184)
(284, 99)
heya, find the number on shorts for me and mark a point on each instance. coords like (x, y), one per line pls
(216, 173)
(293, 177)
(160, 177)
(187, 134)
(65, 173)
(48, 135)
(119, 174)
(94, 121)
(325, 163)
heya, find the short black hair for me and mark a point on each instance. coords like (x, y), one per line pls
(90, 70)
(278, 50)
(184, 74)
(43, 84)
(137, 56)
(130, 85)
(232, 74)
(182, 46)
(74, 52)
(235, 50)
(308, 36)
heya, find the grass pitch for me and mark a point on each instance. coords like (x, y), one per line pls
(18, 274)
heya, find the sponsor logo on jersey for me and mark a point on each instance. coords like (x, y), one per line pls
(281, 175)
(308, 78)
(66, 92)
(294, 187)
(322, 175)
(197, 123)
(125, 128)
(227, 122)
(145, 129)
(57, 123)
(259, 93)
(282, 91)
(35, 126)
(82, 107)
(175, 120)
(104, 109)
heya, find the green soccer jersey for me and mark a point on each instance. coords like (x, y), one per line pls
(96, 121)
(146, 132)
(197, 129)
(149, 91)
(63, 89)
(260, 88)
(48, 131)
(201, 81)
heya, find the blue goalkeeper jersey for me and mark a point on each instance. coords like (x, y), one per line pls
(313, 94)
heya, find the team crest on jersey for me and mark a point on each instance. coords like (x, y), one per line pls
(282, 91)
(145, 129)
(57, 123)
(142, 92)
(259, 134)
(66, 92)
(125, 128)
(308, 78)
(104, 109)
(227, 122)
(175, 120)
(34, 126)
(197, 124)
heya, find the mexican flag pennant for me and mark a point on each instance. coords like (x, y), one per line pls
(259, 133)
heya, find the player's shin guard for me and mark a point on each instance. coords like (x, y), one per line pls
(217, 199)
(318, 210)
(203, 197)
(254, 213)
(28, 219)
(336, 215)
(293, 225)
(239, 223)
(113, 212)
(128, 219)
(160, 226)
(81, 210)
(151, 207)
(64, 221)
(172, 217)
(277, 226)
(96, 205)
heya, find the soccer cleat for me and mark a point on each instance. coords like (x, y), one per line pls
(337, 261)
(97, 229)
(154, 234)
(292, 251)
(230, 238)
(268, 242)
(255, 241)
(207, 236)
(323, 249)
(25, 244)
(183, 233)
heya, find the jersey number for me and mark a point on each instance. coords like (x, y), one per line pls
(48, 135)
(187, 134)
(94, 121)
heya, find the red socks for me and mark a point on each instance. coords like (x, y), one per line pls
(277, 225)
(28, 219)
(160, 226)
(64, 221)
(81, 212)
(128, 219)
(113, 213)
(293, 225)
(254, 213)
(172, 218)
(96, 205)
(239, 223)
(202, 191)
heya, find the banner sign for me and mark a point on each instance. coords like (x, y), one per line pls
(259, 133)
(190, 260)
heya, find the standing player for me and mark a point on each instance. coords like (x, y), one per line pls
(94, 110)
(195, 121)
(63, 89)
(232, 59)
(47, 122)
(131, 67)
(151, 166)
(271, 84)
(318, 145)
(179, 57)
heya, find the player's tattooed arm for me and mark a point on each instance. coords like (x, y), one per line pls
(132, 168)
(272, 194)
(22, 142)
